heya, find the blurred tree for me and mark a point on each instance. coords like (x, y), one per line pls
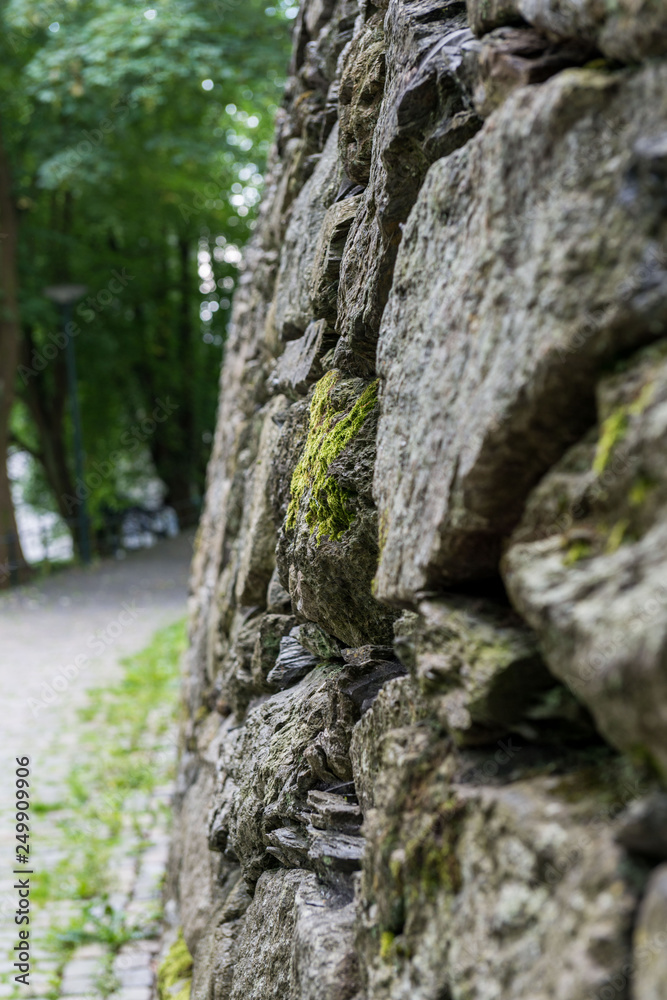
(11, 555)
(136, 141)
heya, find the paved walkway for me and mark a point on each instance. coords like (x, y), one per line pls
(58, 639)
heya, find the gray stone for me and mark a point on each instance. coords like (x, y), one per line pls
(272, 629)
(590, 555)
(214, 959)
(618, 29)
(359, 97)
(423, 116)
(642, 827)
(439, 818)
(332, 811)
(198, 887)
(297, 942)
(478, 665)
(328, 256)
(324, 962)
(650, 940)
(278, 600)
(292, 310)
(235, 679)
(136, 977)
(515, 57)
(299, 367)
(333, 851)
(318, 642)
(292, 742)
(293, 663)
(475, 406)
(515, 890)
(256, 559)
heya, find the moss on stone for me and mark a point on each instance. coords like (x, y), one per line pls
(617, 536)
(640, 490)
(175, 968)
(577, 550)
(386, 941)
(612, 431)
(614, 428)
(329, 432)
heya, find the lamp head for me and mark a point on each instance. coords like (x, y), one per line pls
(65, 295)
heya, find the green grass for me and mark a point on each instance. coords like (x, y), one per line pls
(123, 755)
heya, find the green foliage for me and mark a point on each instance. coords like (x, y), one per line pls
(329, 432)
(125, 165)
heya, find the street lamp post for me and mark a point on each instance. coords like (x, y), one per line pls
(65, 296)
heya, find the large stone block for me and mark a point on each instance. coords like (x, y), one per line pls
(292, 306)
(296, 943)
(588, 563)
(422, 116)
(622, 29)
(649, 974)
(522, 271)
(478, 667)
(359, 97)
(485, 891)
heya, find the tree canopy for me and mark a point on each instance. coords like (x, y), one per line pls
(135, 139)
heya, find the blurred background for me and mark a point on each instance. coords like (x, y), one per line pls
(133, 140)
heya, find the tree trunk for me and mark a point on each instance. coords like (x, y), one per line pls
(47, 409)
(13, 567)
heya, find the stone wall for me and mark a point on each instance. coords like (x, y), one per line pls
(427, 683)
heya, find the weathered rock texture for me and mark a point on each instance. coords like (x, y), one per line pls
(426, 743)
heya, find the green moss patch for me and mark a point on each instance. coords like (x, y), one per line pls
(329, 431)
(615, 427)
(174, 976)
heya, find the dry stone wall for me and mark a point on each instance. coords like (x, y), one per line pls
(426, 745)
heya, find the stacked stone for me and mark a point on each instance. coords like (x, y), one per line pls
(427, 684)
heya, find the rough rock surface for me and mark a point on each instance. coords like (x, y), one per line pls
(522, 271)
(591, 555)
(425, 750)
(627, 30)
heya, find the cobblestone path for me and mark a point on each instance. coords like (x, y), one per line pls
(58, 639)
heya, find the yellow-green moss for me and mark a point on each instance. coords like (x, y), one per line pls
(612, 431)
(174, 968)
(616, 536)
(577, 550)
(640, 490)
(386, 941)
(614, 428)
(329, 432)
